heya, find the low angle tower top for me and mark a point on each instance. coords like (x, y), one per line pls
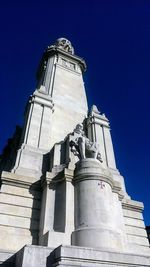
(63, 200)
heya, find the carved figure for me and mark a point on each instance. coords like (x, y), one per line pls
(64, 44)
(82, 147)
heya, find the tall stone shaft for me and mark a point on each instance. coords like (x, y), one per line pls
(62, 198)
(61, 79)
(54, 109)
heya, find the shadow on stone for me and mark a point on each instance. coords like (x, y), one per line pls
(50, 260)
(8, 156)
(10, 262)
(60, 207)
(46, 163)
(35, 190)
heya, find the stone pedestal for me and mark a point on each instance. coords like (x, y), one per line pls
(98, 214)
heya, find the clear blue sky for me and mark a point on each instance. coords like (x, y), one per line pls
(114, 39)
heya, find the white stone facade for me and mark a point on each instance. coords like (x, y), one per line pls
(63, 196)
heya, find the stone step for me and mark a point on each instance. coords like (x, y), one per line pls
(7, 258)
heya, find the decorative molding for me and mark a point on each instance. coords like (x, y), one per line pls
(132, 205)
(51, 51)
(19, 181)
(52, 178)
(42, 99)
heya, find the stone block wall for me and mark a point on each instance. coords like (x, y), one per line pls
(135, 226)
(20, 202)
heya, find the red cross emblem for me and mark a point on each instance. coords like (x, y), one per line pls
(101, 184)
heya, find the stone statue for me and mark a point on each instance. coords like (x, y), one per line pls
(64, 44)
(82, 147)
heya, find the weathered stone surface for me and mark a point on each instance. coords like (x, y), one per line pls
(49, 198)
(58, 197)
(20, 202)
(95, 226)
(76, 256)
(31, 256)
(65, 256)
(59, 102)
(6, 256)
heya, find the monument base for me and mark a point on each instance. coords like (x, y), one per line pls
(64, 256)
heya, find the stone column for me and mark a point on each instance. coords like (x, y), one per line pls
(99, 131)
(57, 211)
(36, 136)
(109, 148)
(69, 225)
(98, 215)
(37, 129)
(47, 209)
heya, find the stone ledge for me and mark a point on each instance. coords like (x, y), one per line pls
(132, 205)
(54, 51)
(31, 256)
(19, 180)
(89, 255)
(38, 98)
(5, 255)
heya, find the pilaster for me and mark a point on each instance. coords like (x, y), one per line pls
(98, 130)
(57, 211)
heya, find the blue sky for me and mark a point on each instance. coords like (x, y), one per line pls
(114, 39)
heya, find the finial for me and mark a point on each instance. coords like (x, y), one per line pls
(64, 44)
(95, 109)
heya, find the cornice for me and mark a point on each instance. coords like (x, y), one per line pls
(12, 179)
(53, 178)
(133, 205)
(52, 51)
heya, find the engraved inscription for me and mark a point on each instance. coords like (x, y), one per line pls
(68, 64)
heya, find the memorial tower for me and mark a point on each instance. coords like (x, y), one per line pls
(63, 202)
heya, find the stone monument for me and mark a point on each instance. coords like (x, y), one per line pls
(63, 202)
